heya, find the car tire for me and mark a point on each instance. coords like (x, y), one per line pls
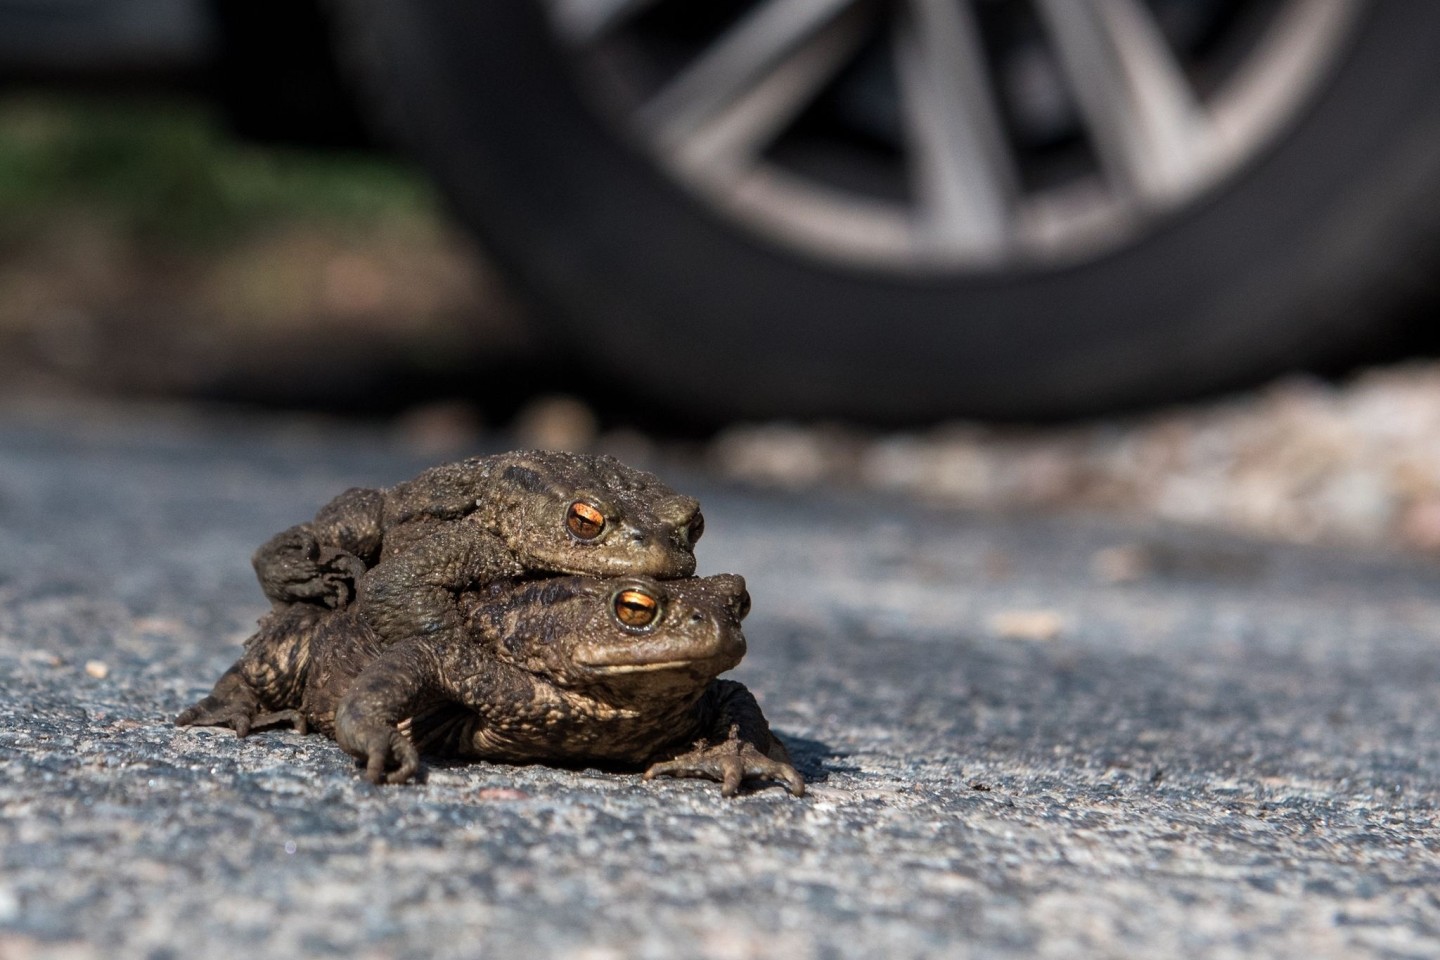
(1304, 256)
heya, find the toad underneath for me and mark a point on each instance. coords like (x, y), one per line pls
(567, 669)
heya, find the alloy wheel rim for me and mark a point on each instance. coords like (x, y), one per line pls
(1145, 126)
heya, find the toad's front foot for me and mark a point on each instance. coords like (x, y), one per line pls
(732, 763)
(388, 755)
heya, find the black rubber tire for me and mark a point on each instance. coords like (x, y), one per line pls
(1300, 259)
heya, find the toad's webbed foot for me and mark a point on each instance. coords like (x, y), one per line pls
(318, 562)
(233, 703)
(294, 567)
(388, 755)
(295, 718)
(211, 712)
(336, 575)
(731, 762)
(240, 713)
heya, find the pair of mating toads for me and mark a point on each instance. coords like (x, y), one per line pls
(529, 606)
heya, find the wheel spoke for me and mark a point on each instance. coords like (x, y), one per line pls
(1144, 119)
(731, 141)
(963, 170)
(584, 22)
(732, 66)
(1154, 141)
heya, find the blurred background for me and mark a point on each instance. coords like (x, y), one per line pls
(1174, 258)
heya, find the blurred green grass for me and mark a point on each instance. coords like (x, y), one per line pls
(145, 251)
(166, 173)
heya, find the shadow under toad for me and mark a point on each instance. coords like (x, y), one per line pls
(814, 758)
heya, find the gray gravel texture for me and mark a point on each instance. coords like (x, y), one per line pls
(1231, 750)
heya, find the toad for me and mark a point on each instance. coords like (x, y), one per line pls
(525, 511)
(568, 669)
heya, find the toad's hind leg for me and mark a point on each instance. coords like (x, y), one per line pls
(233, 703)
(319, 562)
(264, 687)
(296, 719)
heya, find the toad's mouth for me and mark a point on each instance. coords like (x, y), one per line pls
(611, 669)
(665, 563)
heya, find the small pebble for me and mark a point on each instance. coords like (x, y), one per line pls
(501, 793)
(98, 669)
(1027, 624)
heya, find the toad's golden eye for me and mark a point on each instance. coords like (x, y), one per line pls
(636, 608)
(584, 520)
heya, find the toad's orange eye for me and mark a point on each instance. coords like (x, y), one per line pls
(635, 608)
(584, 520)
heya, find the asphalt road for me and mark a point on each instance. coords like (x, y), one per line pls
(1234, 754)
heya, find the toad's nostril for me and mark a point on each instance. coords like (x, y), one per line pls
(741, 605)
(680, 511)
